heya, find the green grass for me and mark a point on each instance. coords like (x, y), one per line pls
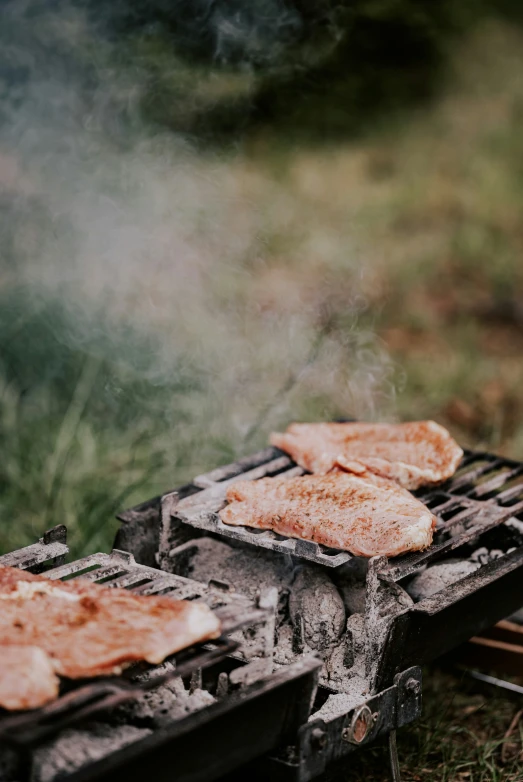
(459, 738)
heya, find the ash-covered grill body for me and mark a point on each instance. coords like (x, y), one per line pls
(368, 620)
(283, 602)
(111, 728)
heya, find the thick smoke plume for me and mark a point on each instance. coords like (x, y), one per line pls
(153, 263)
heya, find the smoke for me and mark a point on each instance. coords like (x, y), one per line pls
(161, 267)
(258, 33)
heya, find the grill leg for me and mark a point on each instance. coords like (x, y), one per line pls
(393, 757)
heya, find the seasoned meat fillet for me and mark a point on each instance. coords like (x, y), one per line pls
(90, 630)
(27, 678)
(365, 515)
(413, 454)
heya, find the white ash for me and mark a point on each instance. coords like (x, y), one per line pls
(385, 600)
(439, 576)
(75, 748)
(315, 623)
(340, 703)
(336, 671)
(312, 613)
(284, 653)
(338, 667)
(482, 555)
(515, 524)
(316, 605)
(246, 570)
(305, 589)
(165, 704)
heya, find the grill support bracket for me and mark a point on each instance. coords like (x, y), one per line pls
(322, 743)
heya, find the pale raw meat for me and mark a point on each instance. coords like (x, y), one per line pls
(365, 515)
(420, 453)
(90, 630)
(27, 678)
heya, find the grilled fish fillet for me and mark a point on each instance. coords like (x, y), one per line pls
(91, 630)
(27, 678)
(421, 453)
(366, 515)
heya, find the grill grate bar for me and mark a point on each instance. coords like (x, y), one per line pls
(486, 518)
(165, 586)
(51, 549)
(77, 568)
(102, 572)
(441, 507)
(458, 504)
(496, 482)
(203, 518)
(216, 490)
(129, 581)
(489, 462)
(237, 468)
(509, 494)
(159, 582)
(453, 511)
(462, 516)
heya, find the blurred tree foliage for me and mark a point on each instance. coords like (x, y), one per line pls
(265, 32)
(79, 411)
(320, 68)
(323, 68)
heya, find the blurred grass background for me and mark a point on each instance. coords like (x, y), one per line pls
(381, 192)
(423, 195)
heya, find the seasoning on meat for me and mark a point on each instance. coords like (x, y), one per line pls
(27, 678)
(366, 515)
(420, 453)
(90, 630)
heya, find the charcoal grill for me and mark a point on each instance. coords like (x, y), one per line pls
(238, 666)
(385, 644)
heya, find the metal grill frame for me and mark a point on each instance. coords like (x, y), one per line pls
(389, 638)
(209, 743)
(474, 502)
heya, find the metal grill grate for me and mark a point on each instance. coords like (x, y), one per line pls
(201, 510)
(486, 491)
(51, 549)
(119, 569)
